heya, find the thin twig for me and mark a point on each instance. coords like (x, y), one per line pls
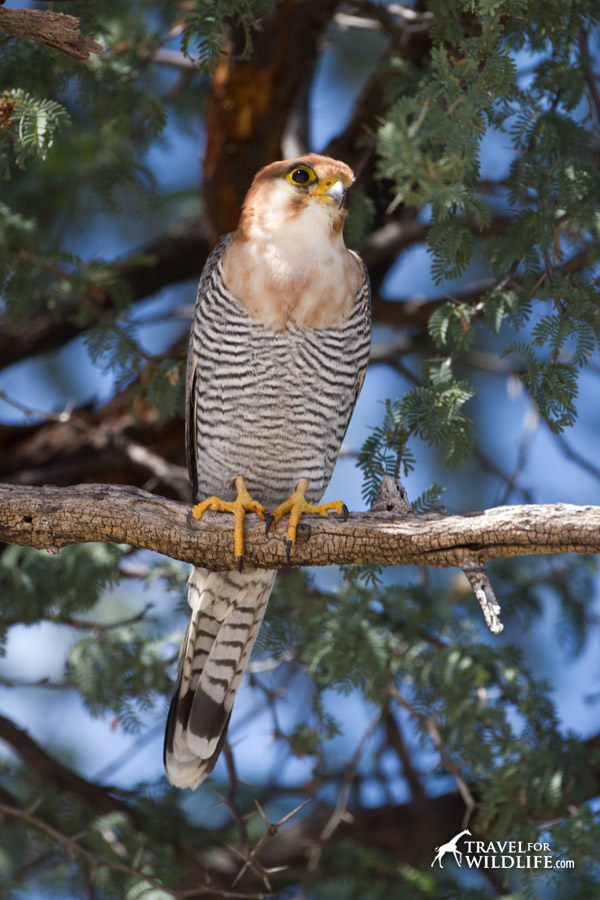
(76, 848)
(430, 726)
(342, 802)
(584, 51)
(395, 740)
(251, 859)
(42, 683)
(574, 455)
(229, 799)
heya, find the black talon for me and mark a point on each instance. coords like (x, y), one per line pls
(288, 549)
(240, 563)
(345, 513)
(269, 519)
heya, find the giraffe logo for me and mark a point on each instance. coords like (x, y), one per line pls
(450, 847)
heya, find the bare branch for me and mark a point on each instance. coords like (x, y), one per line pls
(51, 517)
(341, 806)
(250, 859)
(586, 57)
(75, 848)
(483, 590)
(401, 829)
(177, 256)
(429, 725)
(95, 797)
(55, 30)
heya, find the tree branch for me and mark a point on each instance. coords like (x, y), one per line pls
(95, 797)
(55, 30)
(52, 517)
(178, 255)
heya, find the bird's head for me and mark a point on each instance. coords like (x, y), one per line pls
(286, 263)
(305, 194)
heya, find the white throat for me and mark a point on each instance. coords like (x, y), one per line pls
(295, 240)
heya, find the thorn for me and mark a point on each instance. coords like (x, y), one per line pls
(288, 549)
(269, 518)
(240, 563)
(345, 513)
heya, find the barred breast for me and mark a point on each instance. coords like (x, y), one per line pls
(270, 405)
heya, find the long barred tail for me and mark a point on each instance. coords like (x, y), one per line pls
(227, 610)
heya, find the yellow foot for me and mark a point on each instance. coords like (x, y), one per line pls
(296, 505)
(242, 504)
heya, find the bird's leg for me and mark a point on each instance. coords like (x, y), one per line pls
(296, 505)
(242, 504)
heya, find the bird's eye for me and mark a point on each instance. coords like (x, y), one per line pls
(301, 176)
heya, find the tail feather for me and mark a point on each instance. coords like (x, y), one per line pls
(227, 611)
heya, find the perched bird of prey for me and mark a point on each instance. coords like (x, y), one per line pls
(277, 356)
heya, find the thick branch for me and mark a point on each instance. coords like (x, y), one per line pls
(55, 30)
(95, 797)
(52, 517)
(178, 255)
(96, 445)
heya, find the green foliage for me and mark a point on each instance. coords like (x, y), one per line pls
(36, 585)
(524, 588)
(16, 232)
(122, 671)
(429, 143)
(369, 873)
(30, 125)
(406, 645)
(205, 27)
(429, 499)
(429, 146)
(451, 326)
(385, 452)
(552, 384)
(342, 645)
(86, 146)
(115, 348)
(431, 412)
(496, 723)
(361, 213)
(165, 389)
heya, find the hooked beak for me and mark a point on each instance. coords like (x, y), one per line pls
(331, 190)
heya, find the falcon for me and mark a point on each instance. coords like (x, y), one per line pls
(277, 355)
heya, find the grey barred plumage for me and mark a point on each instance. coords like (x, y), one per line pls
(227, 610)
(249, 381)
(271, 403)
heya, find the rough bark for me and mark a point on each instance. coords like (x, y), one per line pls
(55, 30)
(52, 517)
